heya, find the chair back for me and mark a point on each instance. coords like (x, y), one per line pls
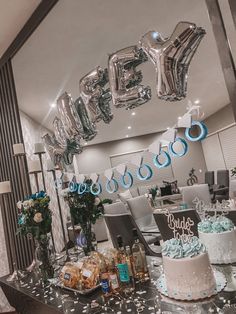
(115, 208)
(122, 224)
(200, 191)
(166, 228)
(209, 178)
(142, 211)
(223, 177)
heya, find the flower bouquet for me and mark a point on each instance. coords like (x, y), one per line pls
(35, 219)
(85, 209)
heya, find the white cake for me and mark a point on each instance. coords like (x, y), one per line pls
(219, 237)
(187, 269)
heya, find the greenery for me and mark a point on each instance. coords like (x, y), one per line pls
(85, 209)
(153, 191)
(35, 217)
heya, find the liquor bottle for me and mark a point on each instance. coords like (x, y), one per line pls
(129, 259)
(104, 278)
(113, 276)
(139, 258)
(123, 269)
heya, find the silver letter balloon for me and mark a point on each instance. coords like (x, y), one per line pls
(125, 79)
(172, 57)
(96, 98)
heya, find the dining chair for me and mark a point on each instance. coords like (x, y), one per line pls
(221, 190)
(163, 224)
(200, 191)
(142, 213)
(123, 224)
(115, 208)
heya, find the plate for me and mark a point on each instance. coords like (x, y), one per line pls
(59, 284)
(220, 284)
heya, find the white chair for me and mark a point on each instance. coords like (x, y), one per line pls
(143, 214)
(115, 208)
(200, 191)
(119, 209)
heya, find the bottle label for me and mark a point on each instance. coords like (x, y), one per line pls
(105, 286)
(114, 281)
(123, 272)
(67, 276)
(86, 273)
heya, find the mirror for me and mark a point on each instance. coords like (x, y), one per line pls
(73, 39)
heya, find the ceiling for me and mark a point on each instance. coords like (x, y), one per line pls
(73, 39)
(13, 16)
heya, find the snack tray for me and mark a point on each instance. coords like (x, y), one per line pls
(58, 283)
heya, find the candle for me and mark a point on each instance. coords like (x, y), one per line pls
(39, 148)
(18, 149)
(5, 187)
(34, 166)
(50, 165)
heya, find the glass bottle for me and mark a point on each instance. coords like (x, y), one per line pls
(122, 266)
(104, 278)
(113, 276)
(129, 259)
(139, 258)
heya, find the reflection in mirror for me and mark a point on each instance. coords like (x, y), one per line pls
(71, 51)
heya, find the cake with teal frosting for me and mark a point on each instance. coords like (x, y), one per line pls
(187, 269)
(218, 234)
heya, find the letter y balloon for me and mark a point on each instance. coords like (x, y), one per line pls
(172, 57)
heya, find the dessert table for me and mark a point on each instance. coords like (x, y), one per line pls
(30, 296)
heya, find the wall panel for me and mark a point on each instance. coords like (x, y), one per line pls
(10, 167)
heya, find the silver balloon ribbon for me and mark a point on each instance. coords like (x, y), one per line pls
(95, 97)
(69, 116)
(172, 57)
(125, 79)
(89, 130)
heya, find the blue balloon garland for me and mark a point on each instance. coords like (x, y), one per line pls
(166, 163)
(148, 175)
(109, 189)
(201, 136)
(184, 145)
(128, 175)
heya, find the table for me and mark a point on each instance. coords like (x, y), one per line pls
(173, 200)
(30, 297)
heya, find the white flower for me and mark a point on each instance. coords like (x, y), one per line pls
(19, 205)
(146, 195)
(38, 217)
(31, 202)
(27, 204)
(97, 201)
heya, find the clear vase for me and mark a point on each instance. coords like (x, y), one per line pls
(87, 238)
(43, 256)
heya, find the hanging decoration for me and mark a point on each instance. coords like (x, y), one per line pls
(201, 136)
(125, 79)
(171, 57)
(125, 178)
(95, 97)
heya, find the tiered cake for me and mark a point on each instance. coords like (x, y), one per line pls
(219, 237)
(187, 270)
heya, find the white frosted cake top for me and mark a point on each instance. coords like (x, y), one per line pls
(215, 225)
(175, 248)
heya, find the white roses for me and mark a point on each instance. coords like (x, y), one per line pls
(97, 201)
(38, 217)
(27, 204)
